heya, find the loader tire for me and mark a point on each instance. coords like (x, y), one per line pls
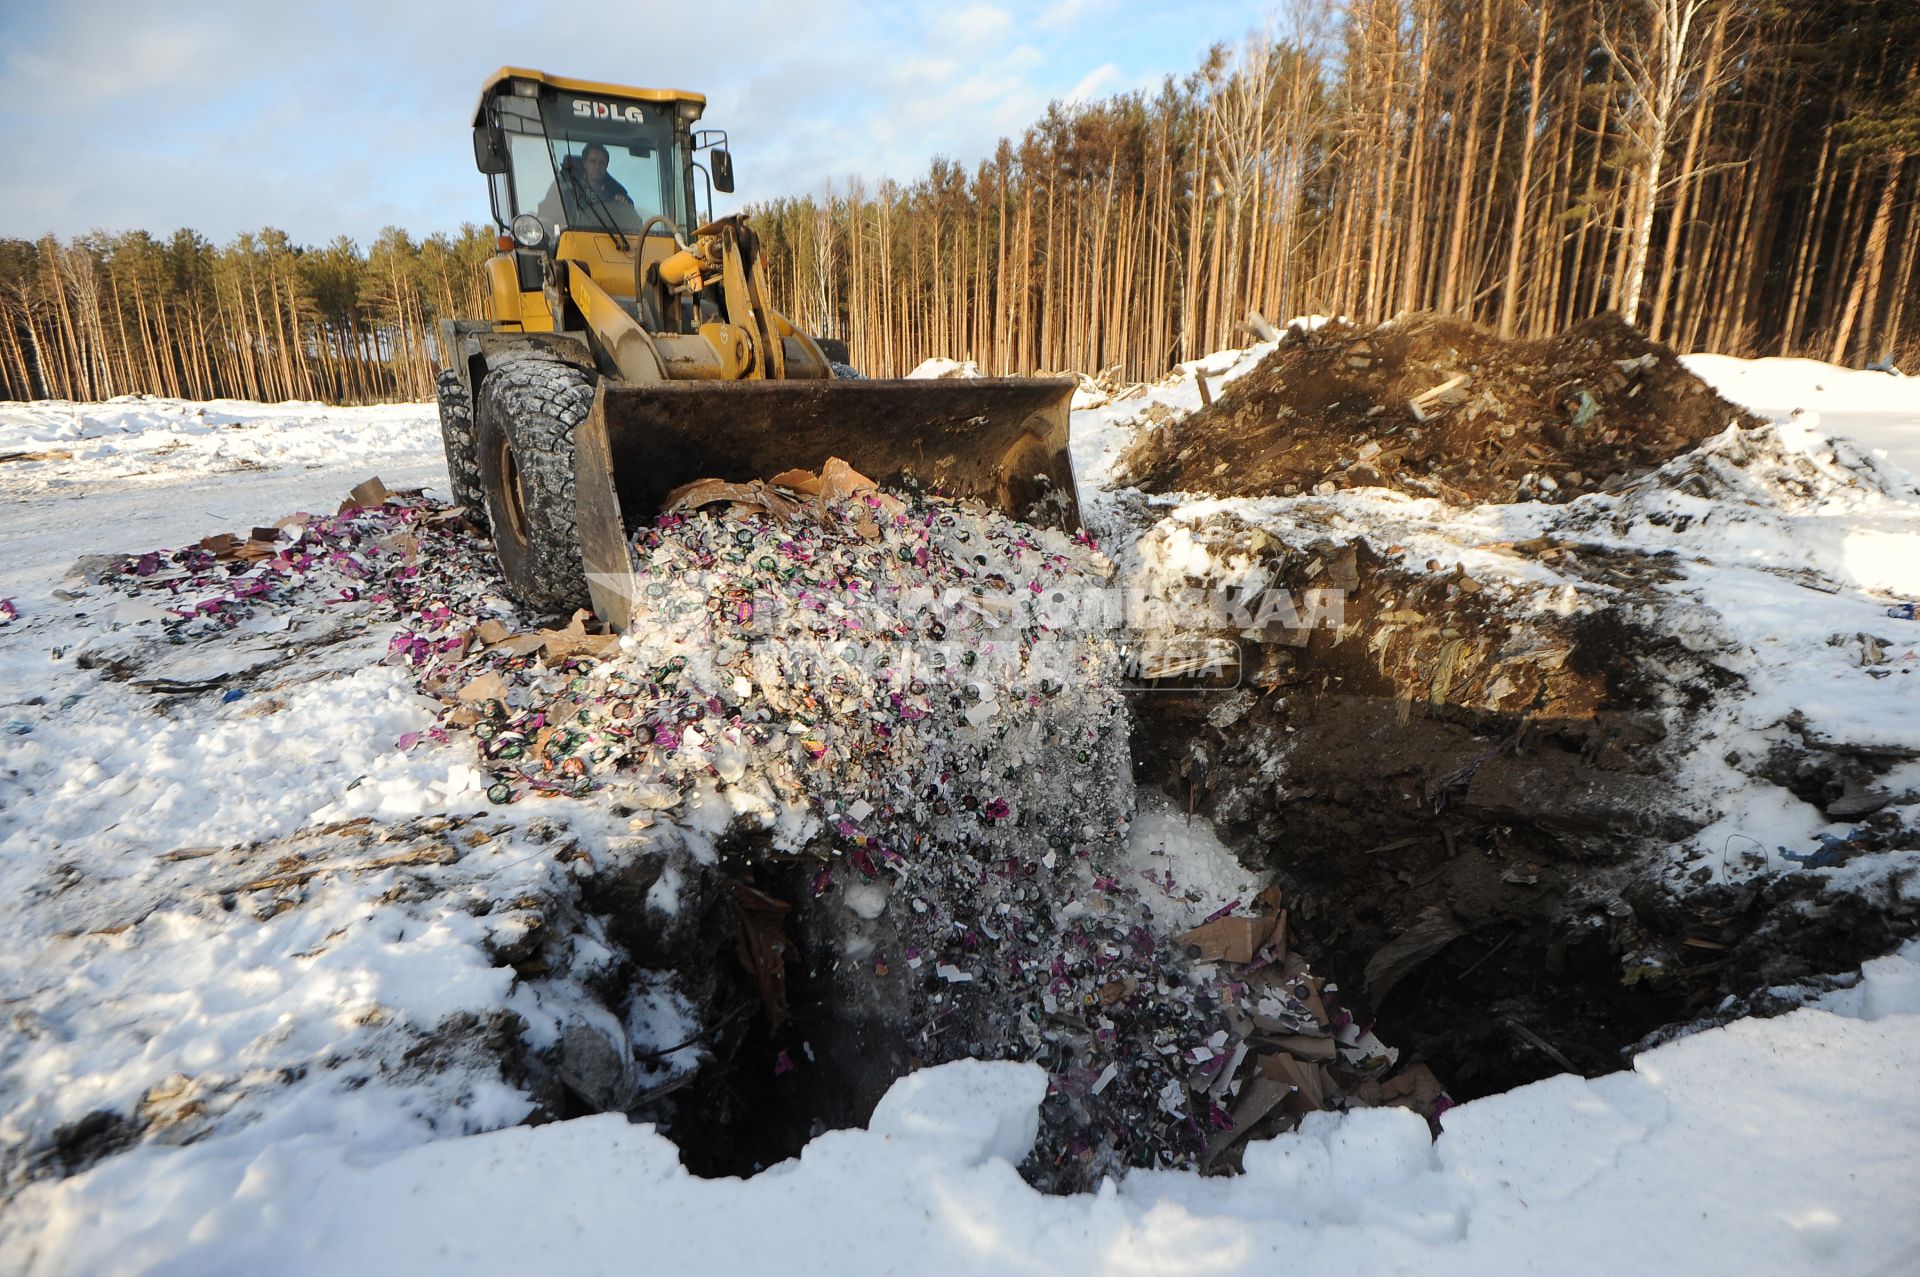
(527, 411)
(463, 447)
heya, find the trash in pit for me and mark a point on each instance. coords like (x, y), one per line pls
(852, 669)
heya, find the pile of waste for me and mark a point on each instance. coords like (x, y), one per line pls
(866, 684)
(1436, 407)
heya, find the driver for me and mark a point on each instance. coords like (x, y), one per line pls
(588, 183)
(593, 160)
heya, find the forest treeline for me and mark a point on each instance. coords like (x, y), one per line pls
(1735, 175)
(259, 318)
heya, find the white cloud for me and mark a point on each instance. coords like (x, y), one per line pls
(1093, 81)
(1066, 13)
(972, 26)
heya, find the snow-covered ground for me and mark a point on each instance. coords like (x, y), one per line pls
(131, 984)
(1777, 1146)
(141, 473)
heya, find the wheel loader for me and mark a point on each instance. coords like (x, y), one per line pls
(630, 347)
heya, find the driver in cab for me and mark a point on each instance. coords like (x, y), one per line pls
(592, 176)
(590, 185)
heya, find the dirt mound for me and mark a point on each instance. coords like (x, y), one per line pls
(1437, 407)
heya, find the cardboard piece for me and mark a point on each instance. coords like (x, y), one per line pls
(1277, 1005)
(1308, 1080)
(763, 948)
(260, 544)
(838, 479)
(488, 687)
(1414, 1087)
(1309, 993)
(804, 482)
(492, 634)
(1299, 1045)
(1277, 934)
(576, 641)
(754, 495)
(403, 544)
(1225, 939)
(370, 493)
(1293, 978)
(1260, 1096)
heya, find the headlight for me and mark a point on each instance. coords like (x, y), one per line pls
(528, 232)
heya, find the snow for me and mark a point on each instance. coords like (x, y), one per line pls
(167, 472)
(938, 368)
(1209, 877)
(1775, 1146)
(1873, 409)
(1103, 426)
(329, 1117)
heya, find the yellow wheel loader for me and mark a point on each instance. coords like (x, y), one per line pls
(630, 348)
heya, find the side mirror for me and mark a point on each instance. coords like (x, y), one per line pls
(489, 150)
(722, 172)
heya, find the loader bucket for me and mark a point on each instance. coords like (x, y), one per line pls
(1001, 440)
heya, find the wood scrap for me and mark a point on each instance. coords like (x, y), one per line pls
(1447, 394)
(438, 854)
(763, 948)
(1393, 961)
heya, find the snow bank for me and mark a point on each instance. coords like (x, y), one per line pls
(1874, 409)
(1780, 1146)
(137, 472)
(152, 439)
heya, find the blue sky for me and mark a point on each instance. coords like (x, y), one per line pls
(344, 117)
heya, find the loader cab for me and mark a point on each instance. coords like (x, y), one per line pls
(589, 172)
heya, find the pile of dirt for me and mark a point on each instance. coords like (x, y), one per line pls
(1438, 407)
